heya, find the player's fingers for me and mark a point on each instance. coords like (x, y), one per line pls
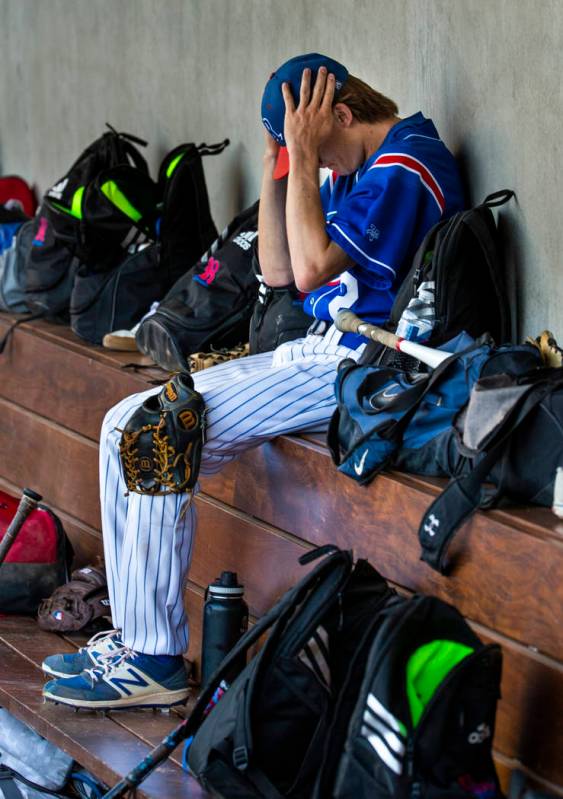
(319, 88)
(288, 97)
(328, 96)
(305, 91)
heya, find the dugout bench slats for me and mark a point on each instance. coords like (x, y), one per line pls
(260, 513)
(292, 486)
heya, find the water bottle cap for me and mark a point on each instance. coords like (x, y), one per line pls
(226, 585)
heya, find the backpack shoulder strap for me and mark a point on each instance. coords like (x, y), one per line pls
(336, 559)
(475, 221)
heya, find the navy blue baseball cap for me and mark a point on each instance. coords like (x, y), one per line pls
(273, 106)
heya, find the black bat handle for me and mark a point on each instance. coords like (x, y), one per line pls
(28, 502)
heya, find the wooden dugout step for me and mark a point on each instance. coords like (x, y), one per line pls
(262, 511)
(109, 745)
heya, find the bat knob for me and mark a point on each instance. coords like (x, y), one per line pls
(28, 492)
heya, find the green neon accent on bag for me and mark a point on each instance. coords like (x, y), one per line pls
(64, 209)
(426, 669)
(173, 164)
(76, 204)
(116, 196)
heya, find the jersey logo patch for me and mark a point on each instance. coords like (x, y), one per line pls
(372, 232)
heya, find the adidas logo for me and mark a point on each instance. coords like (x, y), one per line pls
(385, 734)
(244, 240)
(56, 191)
(315, 656)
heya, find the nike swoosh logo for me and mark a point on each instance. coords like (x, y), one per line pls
(389, 393)
(359, 467)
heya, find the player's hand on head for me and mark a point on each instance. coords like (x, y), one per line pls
(309, 122)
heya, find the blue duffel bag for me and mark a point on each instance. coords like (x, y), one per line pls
(387, 417)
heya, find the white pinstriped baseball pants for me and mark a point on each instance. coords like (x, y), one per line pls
(148, 541)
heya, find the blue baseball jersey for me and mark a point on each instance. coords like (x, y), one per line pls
(380, 214)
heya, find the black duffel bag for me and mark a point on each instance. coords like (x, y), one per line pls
(512, 430)
(210, 306)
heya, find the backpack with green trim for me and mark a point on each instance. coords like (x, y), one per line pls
(59, 227)
(424, 718)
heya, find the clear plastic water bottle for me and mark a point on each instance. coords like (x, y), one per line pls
(419, 317)
(225, 619)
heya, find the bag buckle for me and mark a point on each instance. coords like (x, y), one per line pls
(240, 758)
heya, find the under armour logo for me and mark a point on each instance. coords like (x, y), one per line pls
(432, 523)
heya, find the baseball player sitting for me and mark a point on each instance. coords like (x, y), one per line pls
(348, 245)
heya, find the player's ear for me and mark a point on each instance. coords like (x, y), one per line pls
(343, 115)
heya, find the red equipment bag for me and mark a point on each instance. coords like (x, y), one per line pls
(38, 560)
(15, 193)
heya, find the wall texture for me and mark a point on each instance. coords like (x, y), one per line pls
(487, 71)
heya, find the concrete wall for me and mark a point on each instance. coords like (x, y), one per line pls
(487, 71)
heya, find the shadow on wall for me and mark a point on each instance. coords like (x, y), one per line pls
(510, 227)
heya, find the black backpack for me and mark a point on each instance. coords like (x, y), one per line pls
(278, 315)
(460, 263)
(210, 305)
(423, 719)
(266, 736)
(59, 228)
(186, 228)
(356, 692)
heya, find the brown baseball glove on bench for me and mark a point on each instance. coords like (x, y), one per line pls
(82, 602)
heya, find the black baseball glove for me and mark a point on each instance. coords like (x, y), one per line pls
(161, 443)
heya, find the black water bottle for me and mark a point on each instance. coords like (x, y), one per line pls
(225, 619)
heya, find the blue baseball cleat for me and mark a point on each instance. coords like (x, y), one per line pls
(87, 657)
(124, 679)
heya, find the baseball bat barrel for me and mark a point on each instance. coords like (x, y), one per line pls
(27, 503)
(347, 322)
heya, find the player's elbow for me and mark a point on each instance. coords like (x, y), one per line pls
(308, 276)
(306, 284)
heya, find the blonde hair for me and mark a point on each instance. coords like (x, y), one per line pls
(365, 103)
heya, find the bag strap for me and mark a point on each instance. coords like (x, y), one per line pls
(480, 230)
(497, 198)
(462, 495)
(8, 334)
(213, 149)
(12, 791)
(336, 556)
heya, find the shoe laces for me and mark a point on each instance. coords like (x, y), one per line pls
(110, 661)
(95, 639)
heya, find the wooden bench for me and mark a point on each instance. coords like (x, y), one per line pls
(263, 510)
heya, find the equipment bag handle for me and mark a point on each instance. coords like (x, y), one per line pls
(462, 495)
(498, 198)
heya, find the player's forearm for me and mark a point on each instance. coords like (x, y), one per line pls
(273, 250)
(309, 244)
